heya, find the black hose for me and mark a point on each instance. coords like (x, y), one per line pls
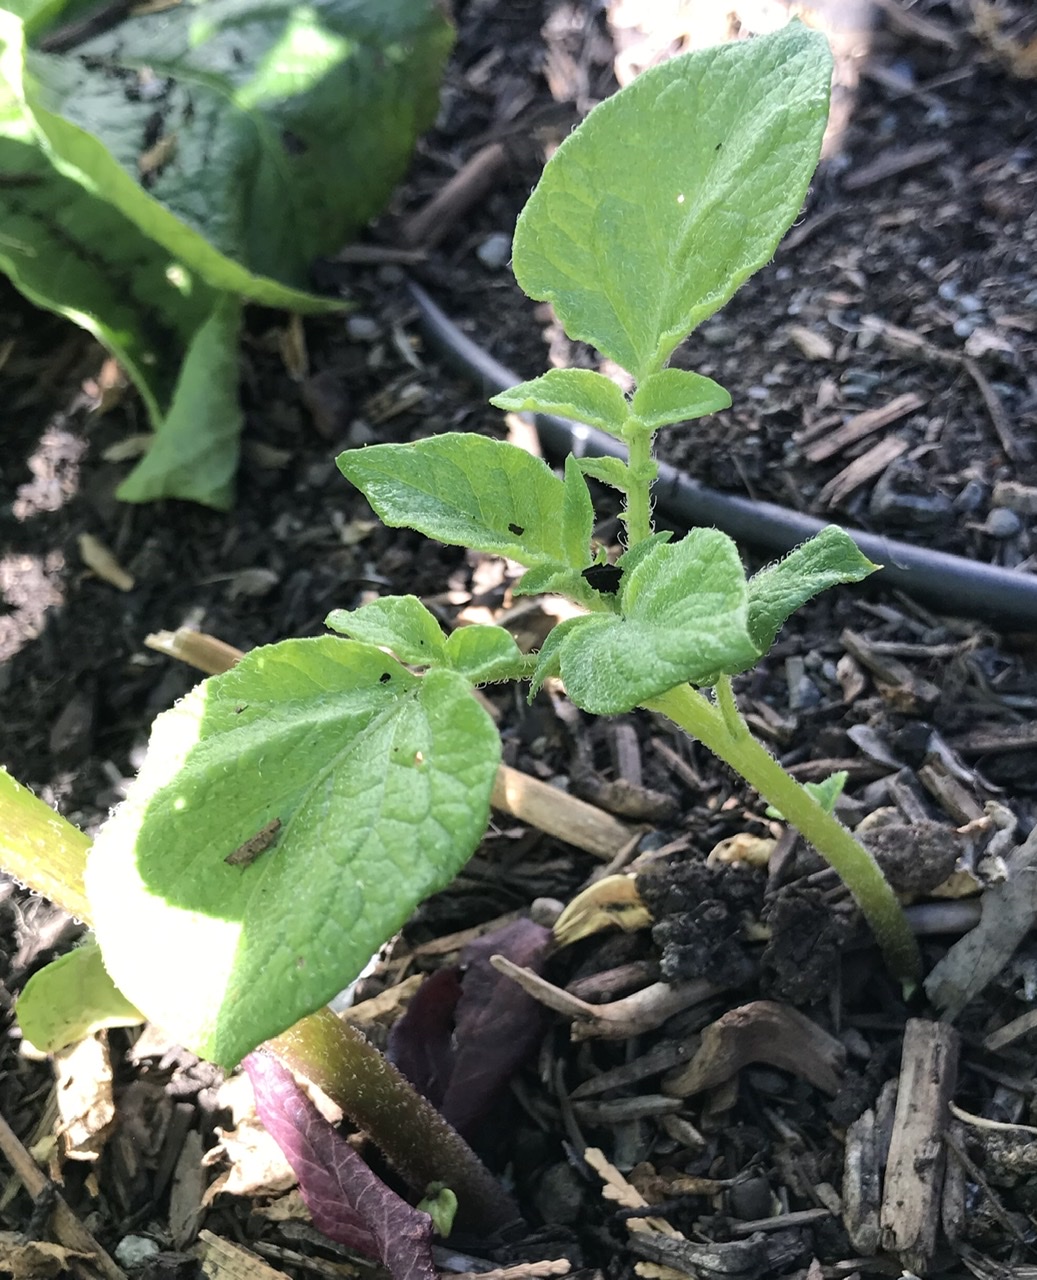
(950, 584)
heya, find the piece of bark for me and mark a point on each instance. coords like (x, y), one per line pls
(429, 224)
(861, 470)
(761, 1031)
(862, 1185)
(904, 690)
(911, 1198)
(1009, 912)
(862, 425)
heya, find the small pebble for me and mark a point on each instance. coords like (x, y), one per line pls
(133, 1251)
(495, 251)
(1002, 523)
(970, 498)
(362, 328)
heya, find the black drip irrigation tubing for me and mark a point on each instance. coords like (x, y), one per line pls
(951, 584)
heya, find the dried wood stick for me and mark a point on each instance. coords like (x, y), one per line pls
(910, 1214)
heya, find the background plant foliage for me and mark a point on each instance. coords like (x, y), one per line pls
(161, 165)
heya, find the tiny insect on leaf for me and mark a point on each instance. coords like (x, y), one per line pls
(247, 852)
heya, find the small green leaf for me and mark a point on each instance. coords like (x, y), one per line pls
(548, 579)
(485, 653)
(826, 792)
(71, 998)
(399, 623)
(577, 516)
(580, 394)
(380, 781)
(673, 192)
(676, 395)
(829, 558)
(548, 659)
(467, 491)
(684, 618)
(610, 471)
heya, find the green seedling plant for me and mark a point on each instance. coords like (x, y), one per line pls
(292, 812)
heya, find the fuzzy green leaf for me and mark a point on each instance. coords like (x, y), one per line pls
(829, 558)
(380, 781)
(577, 516)
(684, 617)
(71, 998)
(676, 395)
(673, 191)
(580, 394)
(610, 471)
(484, 653)
(399, 623)
(467, 491)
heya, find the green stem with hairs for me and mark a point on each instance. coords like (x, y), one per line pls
(731, 740)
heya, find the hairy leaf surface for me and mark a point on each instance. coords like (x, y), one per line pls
(635, 241)
(380, 782)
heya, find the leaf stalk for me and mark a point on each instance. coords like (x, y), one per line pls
(859, 871)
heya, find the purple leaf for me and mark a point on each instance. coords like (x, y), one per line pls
(463, 1057)
(421, 1041)
(348, 1203)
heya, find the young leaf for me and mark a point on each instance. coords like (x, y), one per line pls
(71, 998)
(676, 395)
(829, 558)
(463, 1038)
(380, 781)
(611, 471)
(580, 394)
(826, 792)
(673, 191)
(484, 653)
(399, 623)
(349, 1203)
(684, 618)
(468, 491)
(577, 516)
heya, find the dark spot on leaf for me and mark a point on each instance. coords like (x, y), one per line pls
(604, 577)
(384, 678)
(292, 143)
(516, 529)
(239, 709)
(718, 146)
(237, 55)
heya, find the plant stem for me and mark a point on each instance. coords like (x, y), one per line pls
(859, 871)
(408, 1129)
(642, 471)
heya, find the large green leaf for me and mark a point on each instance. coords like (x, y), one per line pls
(674, 191)
(468, 491)
(283, 127)
(380, 781)
(69, 250)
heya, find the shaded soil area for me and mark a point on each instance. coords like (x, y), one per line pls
(883, 375)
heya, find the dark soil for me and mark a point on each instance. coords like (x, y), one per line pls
(921, 279)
